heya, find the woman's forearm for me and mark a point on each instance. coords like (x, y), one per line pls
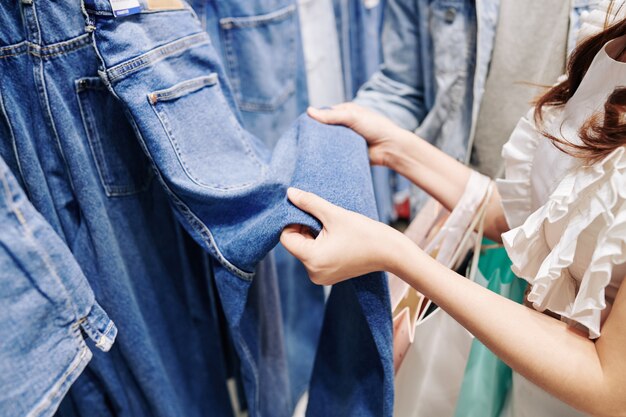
(441, 176)
(544, 350)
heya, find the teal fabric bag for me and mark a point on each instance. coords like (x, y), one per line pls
(487, 379)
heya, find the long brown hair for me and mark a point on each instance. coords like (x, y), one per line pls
(605, 131)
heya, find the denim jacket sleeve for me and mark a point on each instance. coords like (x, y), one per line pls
(397, 90)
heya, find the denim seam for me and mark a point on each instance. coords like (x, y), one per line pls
(184, 88)
(174, 142)
(13, 142)
(40, 81)
(156, 55)
(203, 231)
(233, 69)
(258, 20)
(255, 372)
(206, 235)
(104, 339)
(71, 373)
(50, 51)
(41, 252)
(97, 149)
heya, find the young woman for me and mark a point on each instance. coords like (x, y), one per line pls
(560, 212)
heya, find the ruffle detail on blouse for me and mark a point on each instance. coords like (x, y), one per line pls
(518, 154)
(584, 196)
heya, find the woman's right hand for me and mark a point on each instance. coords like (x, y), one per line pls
(384, 138)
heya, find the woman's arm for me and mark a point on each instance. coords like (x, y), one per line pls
(440, 175)
(589, 376)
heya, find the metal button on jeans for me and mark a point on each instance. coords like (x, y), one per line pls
(450, 15)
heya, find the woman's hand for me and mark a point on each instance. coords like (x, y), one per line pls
(349, 244)
(383, 137)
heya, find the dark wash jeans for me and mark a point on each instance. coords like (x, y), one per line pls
(229, 192)
(67, 141)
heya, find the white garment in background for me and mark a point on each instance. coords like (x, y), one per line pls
(321, 52)
(569, 220)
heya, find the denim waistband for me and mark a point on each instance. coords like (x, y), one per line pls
(103, 7)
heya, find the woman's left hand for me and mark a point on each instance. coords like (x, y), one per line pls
(349, 244)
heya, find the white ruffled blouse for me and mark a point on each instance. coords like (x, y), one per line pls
(568, 220)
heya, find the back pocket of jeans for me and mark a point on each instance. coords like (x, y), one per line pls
(211, 146)
(261, 58)
(122, 165)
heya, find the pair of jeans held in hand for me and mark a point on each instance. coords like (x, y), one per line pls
(229, 192)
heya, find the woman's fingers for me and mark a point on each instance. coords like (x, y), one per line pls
(341, 114)
(297, 239)
(312, 204)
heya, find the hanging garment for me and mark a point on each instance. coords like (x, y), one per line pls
(260, 45)
(46, 305)
(71, 147)
(229, 192)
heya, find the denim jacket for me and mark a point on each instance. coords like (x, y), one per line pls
(436, 59)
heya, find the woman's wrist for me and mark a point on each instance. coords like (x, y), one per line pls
(402, 155)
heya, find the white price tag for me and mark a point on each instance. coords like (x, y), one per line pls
(125, 7)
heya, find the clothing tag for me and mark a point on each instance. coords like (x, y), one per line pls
(370, 4)
(165, 4)
(125, 7)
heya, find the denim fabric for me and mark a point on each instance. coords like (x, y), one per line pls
(45, 306)
(429, 49)
(229, 192)
(259, 42)
(70, 144)
(261, 48)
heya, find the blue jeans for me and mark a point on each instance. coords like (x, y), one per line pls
(45, 306)
(259, 43)
(68, 142)
(228, 191)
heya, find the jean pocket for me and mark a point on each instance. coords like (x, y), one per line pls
(122, 165)
(247, 42)
(210, 145)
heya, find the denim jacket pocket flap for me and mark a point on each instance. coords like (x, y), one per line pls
(211, 147)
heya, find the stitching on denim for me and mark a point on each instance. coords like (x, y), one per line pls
(255, 372)
(162, 116)
(184, 88)
(233, 68)
(157, 54)
(68, 377)
(40, 81)
(252, 21)
(274, 105)
(204, 233)
(13, 141)
(40, 251)
(95, 143)
(49, 51)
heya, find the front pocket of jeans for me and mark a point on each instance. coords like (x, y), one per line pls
(261, 58)
(122, 165)
(210, 145)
